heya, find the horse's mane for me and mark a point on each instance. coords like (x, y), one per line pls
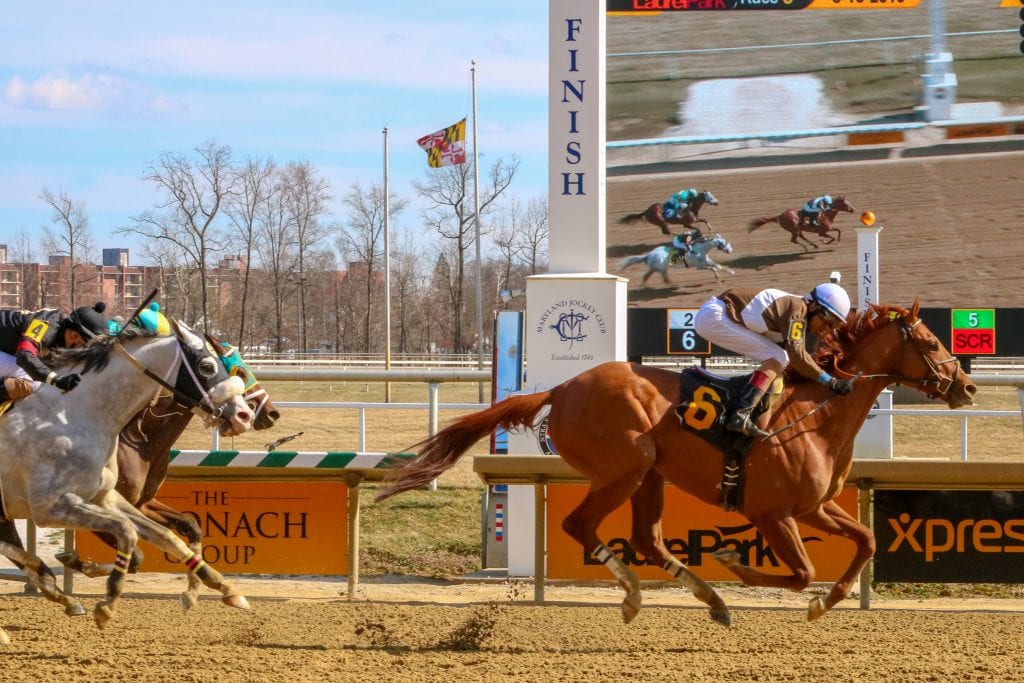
(96, 352)
(833, 346)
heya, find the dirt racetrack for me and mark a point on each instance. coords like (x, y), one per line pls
(952, 228)
(426, 631)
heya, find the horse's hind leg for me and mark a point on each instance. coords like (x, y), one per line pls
(73, 512)
(41, 576)
(648, 504)
(582, 524)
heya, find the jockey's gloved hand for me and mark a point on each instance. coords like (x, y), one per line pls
(65, 382)
(842, 387)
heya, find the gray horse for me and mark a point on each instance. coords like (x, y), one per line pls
(58, 463)
(694, 256)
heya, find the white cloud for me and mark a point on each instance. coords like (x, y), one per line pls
(56, 91)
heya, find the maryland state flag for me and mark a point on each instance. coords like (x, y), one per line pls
(445, 147)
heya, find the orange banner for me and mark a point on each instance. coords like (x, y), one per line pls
(253, 527)
(692, 532)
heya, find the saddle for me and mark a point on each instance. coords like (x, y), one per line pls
(704, 399)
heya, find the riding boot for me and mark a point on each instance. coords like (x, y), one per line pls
(739, 419)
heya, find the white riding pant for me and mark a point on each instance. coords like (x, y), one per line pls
(9, 368)
(712, 323)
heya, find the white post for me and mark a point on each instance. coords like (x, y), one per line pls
(387, 272)
(867, 265)
(575, 314)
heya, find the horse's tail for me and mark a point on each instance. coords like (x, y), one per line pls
(631, 260)
(630, 217)
(758, 222)
(439, 453)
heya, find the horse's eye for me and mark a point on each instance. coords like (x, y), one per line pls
(933, 345)
(207, 367)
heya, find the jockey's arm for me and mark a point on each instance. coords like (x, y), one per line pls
(27, 358)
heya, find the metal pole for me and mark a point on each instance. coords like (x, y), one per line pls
(353, 536)
(539, 509)
(387, 272)
(864, 508)
(479, 269)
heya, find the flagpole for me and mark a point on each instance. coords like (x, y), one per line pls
(479, 269)
(387, 272)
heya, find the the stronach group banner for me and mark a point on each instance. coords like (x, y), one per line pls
(293, 527)
(693, 531)
(949, 536)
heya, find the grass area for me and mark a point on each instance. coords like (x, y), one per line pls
(424, 533)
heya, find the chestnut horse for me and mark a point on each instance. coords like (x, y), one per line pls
(795, 221)
(143, 455)
(655, 213)
(616, 426)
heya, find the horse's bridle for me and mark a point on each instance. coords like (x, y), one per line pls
(933, 383)
(925, 384)
(205, 404)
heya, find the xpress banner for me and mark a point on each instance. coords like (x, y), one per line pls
(949, 536)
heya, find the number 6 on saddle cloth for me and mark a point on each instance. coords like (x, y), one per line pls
(703, 401)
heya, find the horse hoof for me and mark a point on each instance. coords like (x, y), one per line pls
(75, 610)
(721, 616)
(188, 601)
(69, 559)
(102, 614)
(238, 601)
(816, 608)
(726, 557)
(631, 607)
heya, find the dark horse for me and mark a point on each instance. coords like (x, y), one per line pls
(143, 456)
(795, 221)
(655, 214)
(616, 426)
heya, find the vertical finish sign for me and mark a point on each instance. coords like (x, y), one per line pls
(576, 125)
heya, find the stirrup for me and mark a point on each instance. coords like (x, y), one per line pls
(742, 424)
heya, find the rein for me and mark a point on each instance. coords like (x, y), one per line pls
(932, 383)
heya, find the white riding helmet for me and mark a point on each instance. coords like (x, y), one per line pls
(832, 298)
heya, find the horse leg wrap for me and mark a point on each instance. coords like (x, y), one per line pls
(194, 563)
(627, 580)
(121, 562)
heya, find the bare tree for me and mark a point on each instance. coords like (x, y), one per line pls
(71, 238)
(532, 242)
(278, 254)
(21, 249)
(255, 183)
(450, 211)
(194, 190)
(362, 237)
(306, 197)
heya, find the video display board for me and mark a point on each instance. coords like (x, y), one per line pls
(925, 113)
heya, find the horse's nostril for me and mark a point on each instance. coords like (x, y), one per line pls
(274, 415)
(971, 389)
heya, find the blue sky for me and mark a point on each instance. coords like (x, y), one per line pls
(92, 92)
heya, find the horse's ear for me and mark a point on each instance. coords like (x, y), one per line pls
(915, 308)
(182, 331)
